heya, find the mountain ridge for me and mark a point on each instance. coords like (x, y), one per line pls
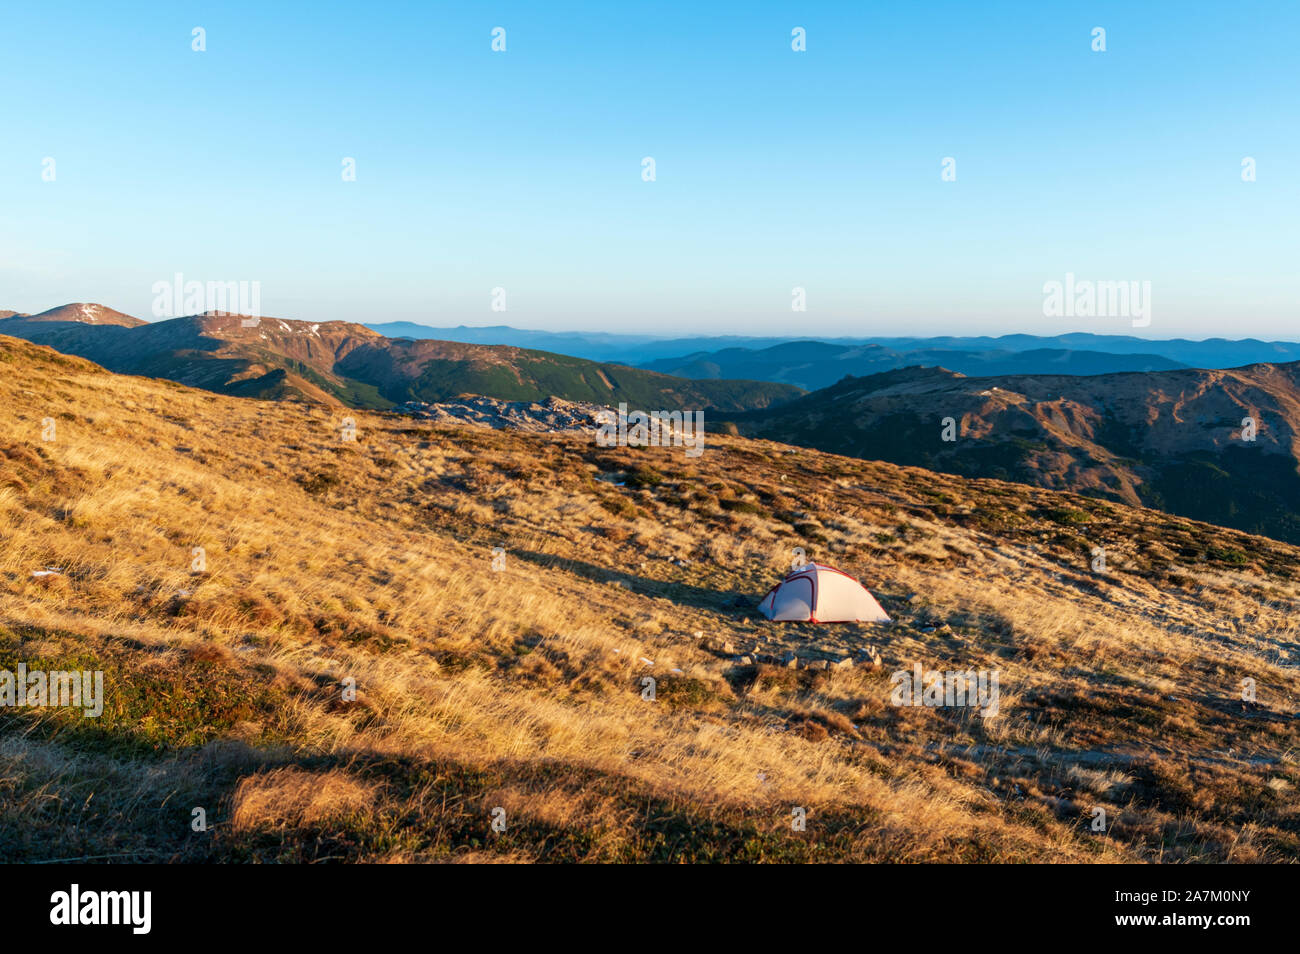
(1176, 440)
(812, 364)
(350, 364)
(641, 349)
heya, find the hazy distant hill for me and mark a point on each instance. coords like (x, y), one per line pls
(1210, 353)
(1166, 439)
(595, 345)
(643, 349)
(345, 363)
(817, 364)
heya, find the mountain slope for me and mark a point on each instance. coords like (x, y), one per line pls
(437, 370)
(330, 563)
(1171, 439)
(349, 364)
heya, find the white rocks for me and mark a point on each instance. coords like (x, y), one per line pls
(555, 414)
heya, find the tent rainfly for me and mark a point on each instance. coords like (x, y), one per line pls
(817, 593)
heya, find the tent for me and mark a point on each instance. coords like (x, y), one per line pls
(817, 593)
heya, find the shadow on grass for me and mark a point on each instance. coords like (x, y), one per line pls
(737, 604)
(425, 809)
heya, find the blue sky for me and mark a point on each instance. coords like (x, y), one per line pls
(775, 169)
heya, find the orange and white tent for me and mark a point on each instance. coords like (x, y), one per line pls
(817, 593)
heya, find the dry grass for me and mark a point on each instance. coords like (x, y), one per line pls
(521, 690)
(292, 798)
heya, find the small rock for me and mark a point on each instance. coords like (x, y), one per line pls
(870, 658)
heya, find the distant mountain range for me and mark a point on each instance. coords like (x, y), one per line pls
(659, 353)
(817, 364)
(344, 363)
(1173, 440)
(593, 345)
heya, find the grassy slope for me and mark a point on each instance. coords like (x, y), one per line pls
(521, 689)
